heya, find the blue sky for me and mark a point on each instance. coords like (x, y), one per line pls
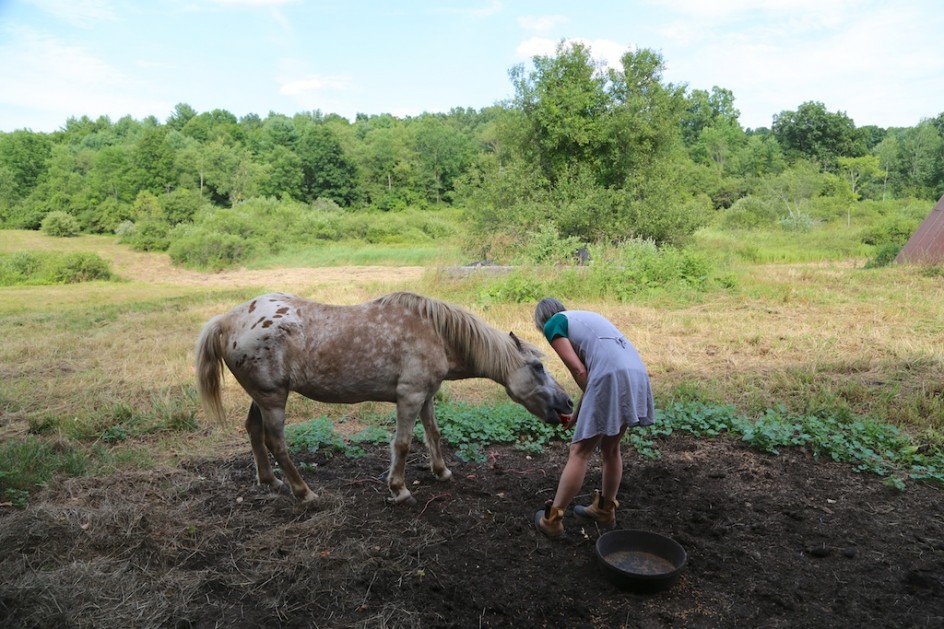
(880, 62)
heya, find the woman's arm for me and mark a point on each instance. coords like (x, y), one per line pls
(571, 360)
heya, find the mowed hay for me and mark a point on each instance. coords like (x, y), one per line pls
(142, 548)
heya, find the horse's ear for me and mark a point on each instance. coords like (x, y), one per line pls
(516, 340)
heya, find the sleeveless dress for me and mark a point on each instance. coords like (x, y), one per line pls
(618, 390)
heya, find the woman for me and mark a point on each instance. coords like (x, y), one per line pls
(616, 394)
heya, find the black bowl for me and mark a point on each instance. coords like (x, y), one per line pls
(640, 561)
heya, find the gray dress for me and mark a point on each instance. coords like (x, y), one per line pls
(618, 390)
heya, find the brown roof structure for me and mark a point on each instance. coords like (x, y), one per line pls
(926, 245)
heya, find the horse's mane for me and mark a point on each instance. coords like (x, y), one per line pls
(489, 351)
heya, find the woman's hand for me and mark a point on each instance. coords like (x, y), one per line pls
(567, 421)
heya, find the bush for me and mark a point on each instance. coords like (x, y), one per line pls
(797, 222)
(204, 249)
(894, 230)
(884, 256)
(748, 213)
(52, 268)
(146, 235)
(546, 246)
(80, 267)
(60, 224)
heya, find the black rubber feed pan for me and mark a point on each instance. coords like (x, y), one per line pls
(640, 561)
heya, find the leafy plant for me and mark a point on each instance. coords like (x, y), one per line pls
(470, 428)
(868, 445)
(319, 434)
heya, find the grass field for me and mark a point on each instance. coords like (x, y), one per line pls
(104, 369)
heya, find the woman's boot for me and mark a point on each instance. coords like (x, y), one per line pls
(550, 520)
(601, 510)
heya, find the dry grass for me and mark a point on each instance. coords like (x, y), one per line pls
(802, 336)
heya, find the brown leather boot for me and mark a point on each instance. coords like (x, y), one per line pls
(601, 510)
(550, 520)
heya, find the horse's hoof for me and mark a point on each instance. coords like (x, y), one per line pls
(274, 484)
(309, 497)
(403, 499)
(444, 475)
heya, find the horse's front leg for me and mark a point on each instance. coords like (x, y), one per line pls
(408, 406)
(436, 462)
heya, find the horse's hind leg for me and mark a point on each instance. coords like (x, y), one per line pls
(257, 438)
(273, 421)
(408, 407)
(431, 430)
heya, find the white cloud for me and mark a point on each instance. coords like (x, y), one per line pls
(852, 55)
(542, 23)
(82, 13)
(298, 87)
(536, 47)
(44, 74)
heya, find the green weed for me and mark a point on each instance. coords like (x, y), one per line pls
(868, 445)
(470, 428)
(318, 434)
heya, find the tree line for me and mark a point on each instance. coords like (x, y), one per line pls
(593, 153)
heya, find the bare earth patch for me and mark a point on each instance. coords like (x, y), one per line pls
(780, 541)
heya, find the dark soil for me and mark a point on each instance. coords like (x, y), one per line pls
(772, 541)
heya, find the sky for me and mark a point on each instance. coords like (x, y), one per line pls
(878, 61)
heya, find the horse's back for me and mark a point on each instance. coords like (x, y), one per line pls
(327, 352)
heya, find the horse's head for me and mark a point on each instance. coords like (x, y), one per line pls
(534, 388)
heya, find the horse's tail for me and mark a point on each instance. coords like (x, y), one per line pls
(210, 368)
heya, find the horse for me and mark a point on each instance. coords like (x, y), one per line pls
(397, 348)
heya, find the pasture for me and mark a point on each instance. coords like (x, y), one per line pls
(124, 507)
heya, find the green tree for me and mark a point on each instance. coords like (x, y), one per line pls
(60, 188)
(326, 171)
(587, 146)
(643, 130)
(815, 134)
(24, 155)
(231, 171)
(564, 102)
(193, 163)
(914, 160)
(285, 174)
(793, 190)
(213, 125)
(921, 162)
(443, 153)
(708, 109)
(152, 161)
(857, 171)
(386, 161)
(183, 113)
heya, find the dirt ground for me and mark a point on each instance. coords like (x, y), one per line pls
(772, 541)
